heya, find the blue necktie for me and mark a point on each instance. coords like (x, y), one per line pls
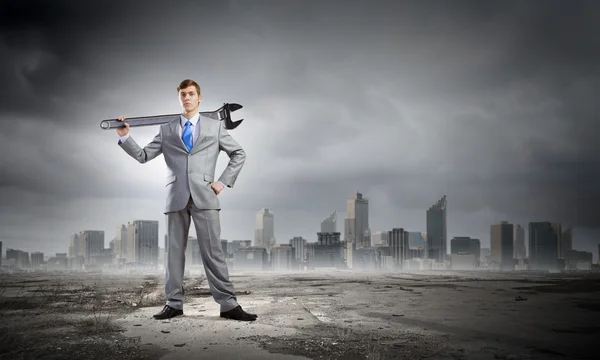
(187, 135)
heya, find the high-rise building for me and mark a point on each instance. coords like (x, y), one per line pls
(399, 247)
(379, 238)
(437, 242)
(142, 241)
(329, 225)
(0, 253)
(357, 221)
(18, 257)
(543, 246)
(264, 235)
(416, 240)
(37, 259)
(566, 242)
(121, 243)
(283, 257)
(93, 244)
(501, 243)
(519, 245)
(299, 245)
(466, 245)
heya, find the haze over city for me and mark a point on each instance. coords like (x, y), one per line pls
(491, 104)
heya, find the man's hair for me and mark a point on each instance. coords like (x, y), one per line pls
(187, 83)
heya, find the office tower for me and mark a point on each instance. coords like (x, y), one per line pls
(299, 245)
(357, 221)
(283, 257)
(416, 240)
(37, 259)
(436, 230)
(566, 242)
(330, 223)
(121, 243)
(501, 244)
(93, 244)
(543, 246)
(264, 235)
(520, 252)
(142, 241)
(18, 257)
(466, 245)
(379, 238)
(398, 243)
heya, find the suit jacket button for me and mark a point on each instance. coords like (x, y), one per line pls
(190, 171)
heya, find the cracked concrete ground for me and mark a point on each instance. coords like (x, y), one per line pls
(350, 315)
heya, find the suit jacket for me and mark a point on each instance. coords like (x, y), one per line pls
(192, 172)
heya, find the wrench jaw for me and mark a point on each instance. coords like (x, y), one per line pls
(227, 110)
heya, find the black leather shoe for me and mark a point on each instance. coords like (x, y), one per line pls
(238, 314)
(168, 312)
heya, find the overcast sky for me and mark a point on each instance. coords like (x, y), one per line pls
(493, 104)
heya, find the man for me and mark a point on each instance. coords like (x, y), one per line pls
(191, 146)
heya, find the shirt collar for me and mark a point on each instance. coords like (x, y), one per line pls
(193, 120)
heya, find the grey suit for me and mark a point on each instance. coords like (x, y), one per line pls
(190, 197)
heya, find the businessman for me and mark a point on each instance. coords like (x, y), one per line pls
(191, 146)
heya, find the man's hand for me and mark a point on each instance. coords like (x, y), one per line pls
(123, 131)
(217, 187)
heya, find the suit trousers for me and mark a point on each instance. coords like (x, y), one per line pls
(208, 229)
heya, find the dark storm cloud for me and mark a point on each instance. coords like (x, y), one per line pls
(42, 50)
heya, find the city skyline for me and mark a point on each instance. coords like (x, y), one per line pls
(491, 104)
(440, 204)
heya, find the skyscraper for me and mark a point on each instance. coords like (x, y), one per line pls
(357, 221)
(543, 246)
(264, 235)
(519, 245)
(566, 242)
(437, 241)
(329, 225)
(501, 243)
(142, 241)
(93, 243)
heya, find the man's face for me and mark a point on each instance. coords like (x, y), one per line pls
(189, 98)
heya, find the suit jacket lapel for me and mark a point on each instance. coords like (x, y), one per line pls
(175, 124)
(203, 128)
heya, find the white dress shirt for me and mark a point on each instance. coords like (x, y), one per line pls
(194, 126)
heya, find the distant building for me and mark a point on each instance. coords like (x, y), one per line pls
(437, 241)
(356, 224)
(299, 245)
(264, 234)
(379, 238)
(465, 245)
(543, 246)
(328, 251)
(501, 243)
(250, 258)
(520, 252)
(283, 258)
(142, 242)
(566, 243)
(399, 246)
(19, 258)
(37, 260)
(329, 225)
(578, 260)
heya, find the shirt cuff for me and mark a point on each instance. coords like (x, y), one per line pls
(123, 138)
(222, 183)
